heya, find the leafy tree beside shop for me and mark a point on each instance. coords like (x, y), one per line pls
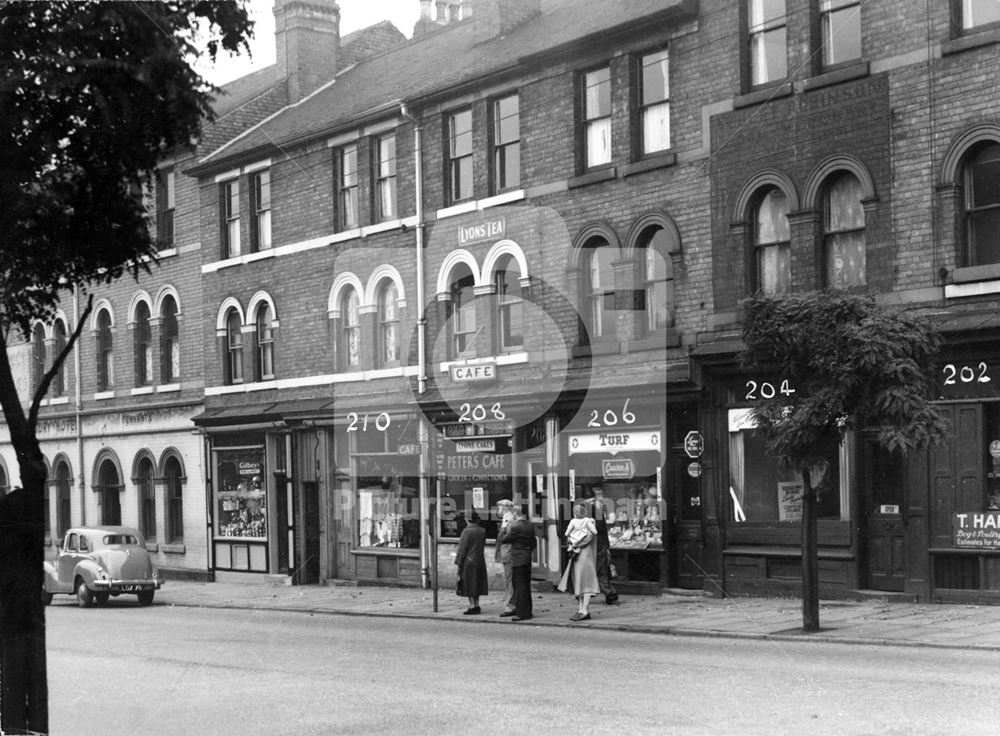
(854, 364)
(92, 95)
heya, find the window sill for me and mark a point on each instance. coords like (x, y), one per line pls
(763, 95)
(968, 274)
(173, 549)
(836, 76)
(659, 161)
(59, 401)
(166, 252)
(152, 546)
(593, 177)
(973, 40)
(386, 551)
(104, 395)
(168, 388)
(141, 391)
(605, 347)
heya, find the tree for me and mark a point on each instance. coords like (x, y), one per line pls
(92, 94)
(852, 364)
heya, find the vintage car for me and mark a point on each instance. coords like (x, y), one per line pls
(95, 563)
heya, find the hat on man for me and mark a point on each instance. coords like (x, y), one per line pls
(505, 502)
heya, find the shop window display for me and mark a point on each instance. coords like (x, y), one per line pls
(241, 501)
(388, 512)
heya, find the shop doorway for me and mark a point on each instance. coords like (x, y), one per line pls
(307, 571)
(882, 503)
(343, 529)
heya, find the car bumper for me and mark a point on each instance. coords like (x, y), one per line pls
(125, 586)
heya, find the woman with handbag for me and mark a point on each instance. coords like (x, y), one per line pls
(582, 567)
(471, 561)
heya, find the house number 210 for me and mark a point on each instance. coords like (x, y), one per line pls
(966, 374)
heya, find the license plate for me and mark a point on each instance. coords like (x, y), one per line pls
(131, 588)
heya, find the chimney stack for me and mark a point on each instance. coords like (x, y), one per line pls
(495, 18)
(307, 35)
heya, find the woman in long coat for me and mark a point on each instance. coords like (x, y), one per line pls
(582, 568)
(471, 561)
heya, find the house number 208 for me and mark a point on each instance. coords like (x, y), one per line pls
(966, 374)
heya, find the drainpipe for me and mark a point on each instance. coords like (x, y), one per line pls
(78, 397)
(428, 550)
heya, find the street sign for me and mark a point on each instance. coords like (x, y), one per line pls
(694, 444)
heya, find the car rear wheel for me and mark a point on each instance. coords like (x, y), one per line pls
(145, 597)
(84, 596)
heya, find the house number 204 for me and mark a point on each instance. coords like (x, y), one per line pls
(966, 374)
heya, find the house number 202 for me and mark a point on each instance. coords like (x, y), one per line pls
(966, 374)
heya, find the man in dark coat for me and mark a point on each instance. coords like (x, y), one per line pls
(600, 510)
(521, 538)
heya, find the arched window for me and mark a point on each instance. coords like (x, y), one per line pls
(234, 348)
(600, 282)
(844, 232)
(462, 318)
(388, 323)
(173, 479)
(147, 498)
(265, 343)
(657, 279)
(58, 387)
(37, 355)
(105, 354)
(170, 345)
(350, 338)
(510, 306)
(109, 491)
(143, 346)
(64, 486)
(771, 242)
(982, 205)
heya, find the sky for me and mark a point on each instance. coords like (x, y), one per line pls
(354, 15)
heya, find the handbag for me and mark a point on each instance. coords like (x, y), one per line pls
(460, 586)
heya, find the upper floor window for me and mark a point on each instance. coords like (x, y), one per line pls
(596, 107)
(143, 346)
(58, 386)
(460, 156)
(105, 354)
(37, 355)
(386, 179)
(768, 41)
(844, 232)
(229, 206)
(347, 188)
(234, 348)
(388, 323)
(350, 346)
(600, 284)
(165, 208)
(463, 315)
(506, 144)
(170, 345)
(510, 305)
(174, 487)
(840, 31)
(147, 499)
(978, 13)
(654, 102)
(657, 280)
(982, 205)
(260, 208)
(265, 343)
(771, 241)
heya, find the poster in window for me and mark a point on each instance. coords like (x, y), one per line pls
(790, 501)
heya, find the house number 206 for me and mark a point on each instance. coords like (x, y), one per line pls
(966, 374)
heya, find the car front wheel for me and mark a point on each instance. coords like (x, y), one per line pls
(145, 597)
(102, 598)
(84, 596)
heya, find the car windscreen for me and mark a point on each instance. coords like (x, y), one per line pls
(120, 539)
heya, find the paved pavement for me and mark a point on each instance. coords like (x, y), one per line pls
(874, 621)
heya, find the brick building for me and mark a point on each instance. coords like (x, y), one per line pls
(506, 258)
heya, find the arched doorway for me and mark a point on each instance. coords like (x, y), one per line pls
(109, 488)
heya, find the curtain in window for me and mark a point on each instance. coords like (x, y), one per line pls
(979, 12)
(773, 252)
(389, 322)
(352, 329)
(845, 234)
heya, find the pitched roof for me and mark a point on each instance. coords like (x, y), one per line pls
(441, 62)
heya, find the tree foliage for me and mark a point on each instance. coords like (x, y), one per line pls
(92, 94)
(853, 364)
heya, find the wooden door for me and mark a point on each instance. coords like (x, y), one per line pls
(343, 529)
(883, 505)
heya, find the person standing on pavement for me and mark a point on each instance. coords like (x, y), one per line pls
(521, 537)
(505, 512)
(471, 561)
(602, 511)
(581, 544)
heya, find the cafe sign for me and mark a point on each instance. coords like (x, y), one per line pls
(977, 530)
(618, 469)
(615, 441)
(473, 373)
